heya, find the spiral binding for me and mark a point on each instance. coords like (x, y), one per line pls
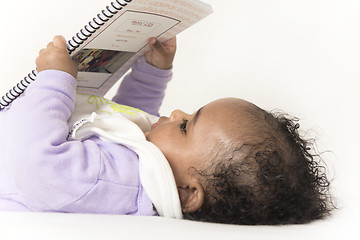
(76, 41)
(89, 29)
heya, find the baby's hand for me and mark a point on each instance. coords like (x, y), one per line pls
(161, 55)
(55, 56)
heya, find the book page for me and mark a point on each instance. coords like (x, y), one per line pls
(131, 31)
(110, 52)
(117, 43)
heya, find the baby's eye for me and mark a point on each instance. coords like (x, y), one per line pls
(183, 125)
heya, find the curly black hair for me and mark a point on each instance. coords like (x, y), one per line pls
(273, 178)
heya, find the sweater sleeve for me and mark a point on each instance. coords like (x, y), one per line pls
(144, 87)
(53, 174)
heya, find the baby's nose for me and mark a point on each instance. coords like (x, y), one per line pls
(176, 114)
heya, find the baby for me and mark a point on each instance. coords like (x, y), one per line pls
(232, 162)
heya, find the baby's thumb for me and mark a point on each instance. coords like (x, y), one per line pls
(59, 42)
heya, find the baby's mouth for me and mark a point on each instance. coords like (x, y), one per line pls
(154, 125)
(146, 133)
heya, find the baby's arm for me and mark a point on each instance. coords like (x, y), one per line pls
(50, 172)
(144, 87)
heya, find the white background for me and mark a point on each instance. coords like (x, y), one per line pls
(302, 57)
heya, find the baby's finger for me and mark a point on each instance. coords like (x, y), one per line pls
(156, 45)
(59, 42)
(50, 45)
(42, 51)
(171, 42)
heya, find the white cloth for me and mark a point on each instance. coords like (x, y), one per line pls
(97, 116)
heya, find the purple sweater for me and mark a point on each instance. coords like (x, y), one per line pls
(41, 171)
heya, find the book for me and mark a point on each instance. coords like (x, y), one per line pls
(108, 45)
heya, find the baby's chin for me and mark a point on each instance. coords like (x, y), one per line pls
(147, 133)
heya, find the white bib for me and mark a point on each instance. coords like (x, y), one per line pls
(97, 116)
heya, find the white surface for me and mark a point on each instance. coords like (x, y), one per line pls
(299, 56)
(65, 226)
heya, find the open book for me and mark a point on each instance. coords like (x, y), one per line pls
(111, 42)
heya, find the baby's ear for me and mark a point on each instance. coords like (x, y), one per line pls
(191, 197)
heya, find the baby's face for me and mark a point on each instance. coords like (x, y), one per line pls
(187, 140)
